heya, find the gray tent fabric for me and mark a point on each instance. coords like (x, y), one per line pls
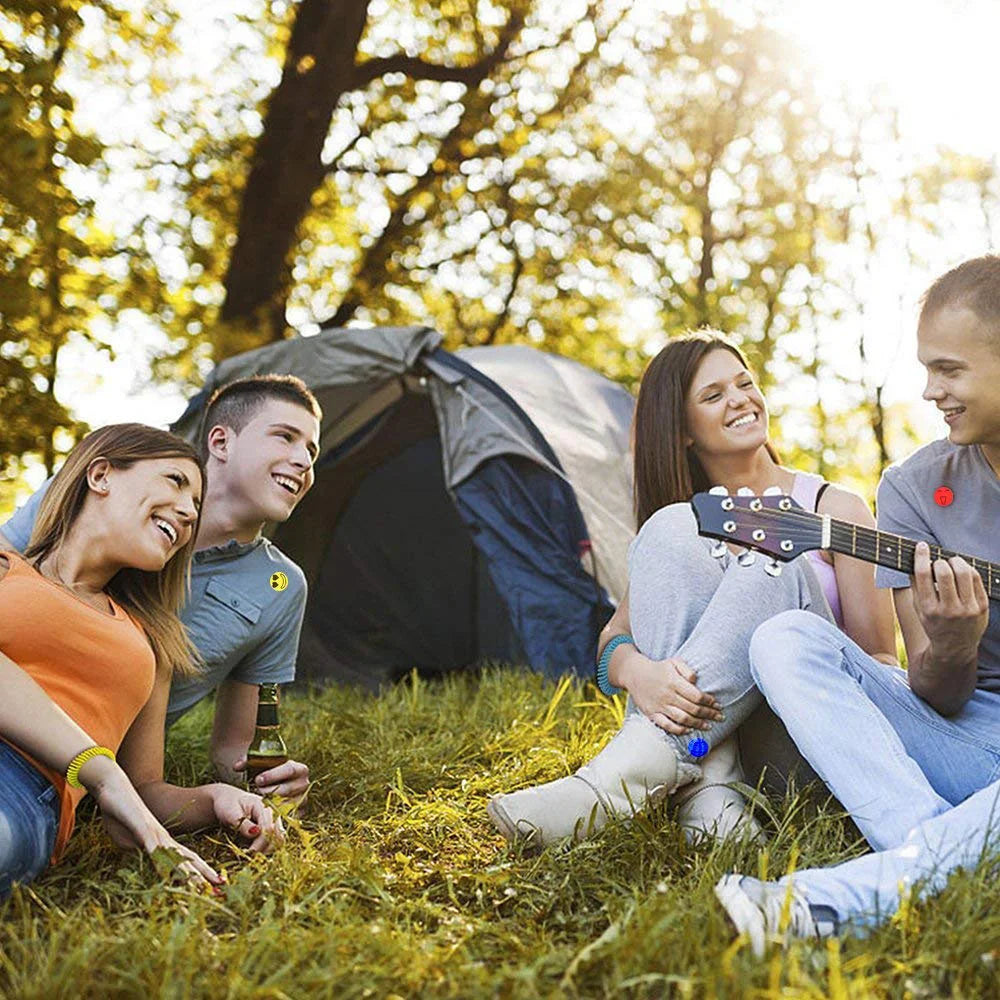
(384, 390)
(586, 418)
(340, 366)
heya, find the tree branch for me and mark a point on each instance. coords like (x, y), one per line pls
(501, 317)
(419, 69)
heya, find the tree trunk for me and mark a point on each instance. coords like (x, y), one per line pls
(287, 168)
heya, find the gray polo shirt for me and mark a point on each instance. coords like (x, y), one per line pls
(243, 618)
(968, 525)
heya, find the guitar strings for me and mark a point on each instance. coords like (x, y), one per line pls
(868, 537)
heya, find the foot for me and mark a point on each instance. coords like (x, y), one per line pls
(710, 808)
(638, 766)
(761, 909)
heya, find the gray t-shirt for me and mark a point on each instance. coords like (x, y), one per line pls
(906, 505)
(244, 628)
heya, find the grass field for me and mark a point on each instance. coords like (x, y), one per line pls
(395, 885)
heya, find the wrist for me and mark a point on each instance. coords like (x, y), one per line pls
(945, 655)
(621, 666)
(98, 772)
(223, 761)
(604, 662)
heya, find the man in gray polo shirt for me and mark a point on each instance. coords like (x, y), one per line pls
(915, 755)
(247, 599)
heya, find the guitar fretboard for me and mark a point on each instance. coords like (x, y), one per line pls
(896, 552)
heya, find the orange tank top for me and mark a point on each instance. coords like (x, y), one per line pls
(98, 667)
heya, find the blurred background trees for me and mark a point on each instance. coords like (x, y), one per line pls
(587, 177)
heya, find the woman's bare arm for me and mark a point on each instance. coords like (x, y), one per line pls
(867, 610)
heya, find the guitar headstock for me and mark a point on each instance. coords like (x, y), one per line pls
(775, 524)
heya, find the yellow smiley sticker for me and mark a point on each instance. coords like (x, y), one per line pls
(279, 581)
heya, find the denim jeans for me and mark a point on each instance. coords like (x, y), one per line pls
(29, 818)
(866, 891)
(890, 758)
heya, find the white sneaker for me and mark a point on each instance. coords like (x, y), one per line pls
(709, 808)
(761, 909)
(638, 766)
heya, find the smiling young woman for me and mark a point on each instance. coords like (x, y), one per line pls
(678, 642)
(89, 638)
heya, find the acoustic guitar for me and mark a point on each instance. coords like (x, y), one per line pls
(781, 528)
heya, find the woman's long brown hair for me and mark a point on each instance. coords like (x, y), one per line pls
(152, 599)
(666, 471)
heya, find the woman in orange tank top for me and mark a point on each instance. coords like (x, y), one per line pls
(89, 639)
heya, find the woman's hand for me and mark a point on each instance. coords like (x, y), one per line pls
(665, 692)
(248, 815)
(132, 824)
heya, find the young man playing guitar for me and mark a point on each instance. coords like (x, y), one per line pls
(914, 756)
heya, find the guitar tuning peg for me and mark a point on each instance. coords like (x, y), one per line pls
(718, 550)
(772, 491)
(747, 558)
(772, 567)
(744, 491)
(719, 491)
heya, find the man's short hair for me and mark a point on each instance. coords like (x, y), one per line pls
(236, 403)
(974, 284)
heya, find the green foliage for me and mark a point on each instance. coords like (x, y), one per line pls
(395, 885)
(49, 244)
(587, 177)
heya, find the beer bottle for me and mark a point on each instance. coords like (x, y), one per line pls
(267, 749)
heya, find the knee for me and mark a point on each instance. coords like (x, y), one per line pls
(775, 643)
(672, 527)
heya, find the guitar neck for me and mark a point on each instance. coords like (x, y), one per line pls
(896, 552)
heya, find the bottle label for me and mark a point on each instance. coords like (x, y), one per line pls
(267, 715)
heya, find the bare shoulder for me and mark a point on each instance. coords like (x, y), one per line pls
(845, 504)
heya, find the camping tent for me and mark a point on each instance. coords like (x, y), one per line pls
(467, 506)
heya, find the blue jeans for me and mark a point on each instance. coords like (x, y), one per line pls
(29, 818)
(890, 758)
(866, 891)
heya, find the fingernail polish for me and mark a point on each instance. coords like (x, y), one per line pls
(254, 830)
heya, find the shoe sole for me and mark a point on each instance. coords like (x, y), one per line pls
(508, 828)
(499, 818)
(742, 911)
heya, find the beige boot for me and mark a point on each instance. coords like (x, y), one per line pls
(707, 808)
(637, 766)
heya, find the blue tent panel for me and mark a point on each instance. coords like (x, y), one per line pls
(526, 522)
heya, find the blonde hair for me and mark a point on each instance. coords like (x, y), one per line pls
(152, 599)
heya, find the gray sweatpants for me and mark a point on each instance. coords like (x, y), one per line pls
(683, 602)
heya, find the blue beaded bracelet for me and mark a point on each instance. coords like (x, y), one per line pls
(605, 661)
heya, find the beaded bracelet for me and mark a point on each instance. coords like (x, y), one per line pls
(603, 681)
(73, 770)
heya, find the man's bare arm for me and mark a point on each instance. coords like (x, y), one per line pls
(232, 731)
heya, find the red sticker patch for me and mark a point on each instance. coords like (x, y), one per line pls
(943, 496)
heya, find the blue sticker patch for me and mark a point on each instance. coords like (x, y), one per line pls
(698, 747)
